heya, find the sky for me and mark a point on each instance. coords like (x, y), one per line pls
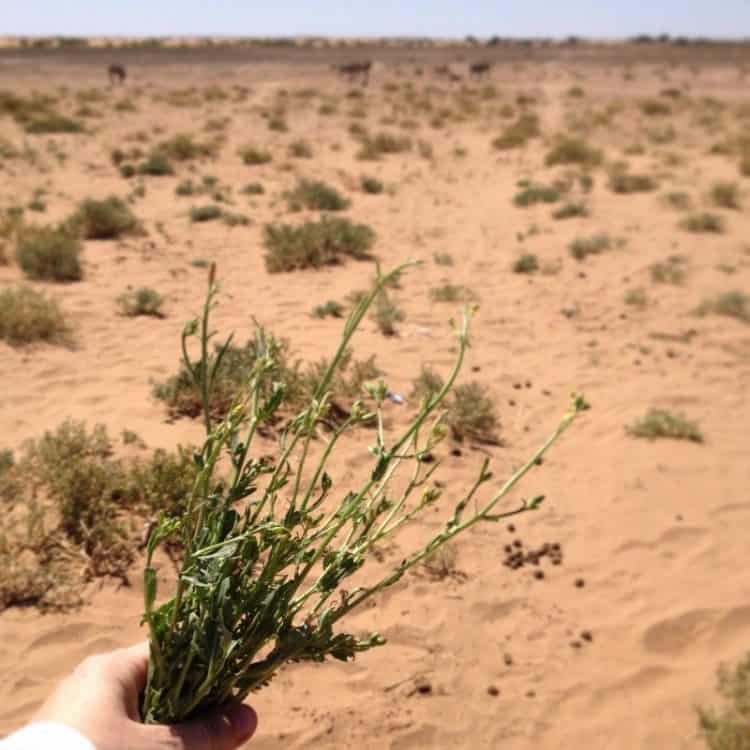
(433, 18)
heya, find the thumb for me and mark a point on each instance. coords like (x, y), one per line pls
(224, 728)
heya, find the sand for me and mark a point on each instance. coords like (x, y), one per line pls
(656, 531)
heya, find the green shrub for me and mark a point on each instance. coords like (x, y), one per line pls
(251, 155)
(729, 728)
(182, 147)
(52, 122)
(49, 253)
(655, 108)
(443, 259)
(703, 223)
(141, 301)
(386, 314)
(315, 244)
(575, 92)
(208, 212)
(570, 210)
(127, 171)
(679, 200)
(518, 133)
(157, 164)
(315, 195)
(104, 219)
(427, 384)
(726, 195)
(451, 293)
(332, 309)
(582, 247)
(371, 185)
(373, 147)
(234, 219)
(623, 182)
(533, 194)
(734, 304)
(471, 414)
(27, 316)
(636, 298)
(671, 271)
(660, 423)
(252, 188)
(278, 123)
(526, 263)
(186, 188)
(300, 149)
(569, 150)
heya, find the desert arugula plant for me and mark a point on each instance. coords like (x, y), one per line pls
(268, 549)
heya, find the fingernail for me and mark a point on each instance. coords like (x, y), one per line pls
(243, 721)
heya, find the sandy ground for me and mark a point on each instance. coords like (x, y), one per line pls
(656, 530)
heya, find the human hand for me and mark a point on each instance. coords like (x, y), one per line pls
(100, 700)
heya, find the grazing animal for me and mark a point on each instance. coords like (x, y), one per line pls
(353, 70)
(479, 69)
(117, 74)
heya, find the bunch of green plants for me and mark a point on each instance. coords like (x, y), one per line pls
(270, 543)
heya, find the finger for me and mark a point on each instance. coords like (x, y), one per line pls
(225, 728)
(128, 667)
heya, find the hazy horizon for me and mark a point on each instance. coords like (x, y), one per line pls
(439, 19)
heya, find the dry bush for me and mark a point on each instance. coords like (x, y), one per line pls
(570, 150)
(104, 219)
(315, 244)
(141, 301)
(315, 195)
(518, 133)
(660, 423)
(27, 316)
(703, 223)
(733, 304)
(49, 253)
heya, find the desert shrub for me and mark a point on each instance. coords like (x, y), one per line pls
(518, 133)
(655, 108)
(386, 314)
(569, 150)
(671, 271)
(156, 164)
(427, 384)
(624, 182)
(726, 195)
(315, 195)
(733, 304)
(532, 194)
(729, 728)
(252, 155)
(636, 298)
(679, 200)
(375, 146)
(300, 149)
(183, 397)
(95, 499)
(277, 123)
(570, 210)
(104, 219)
(182, 147)
(582, 247)
(27, 316)
(744, 164)
(234, 219)
(49, 253)
(371, 185)
(660, 423)
(703, 223)
(471, 414)
(451, 293)
(252, 188)
(141, 301)
(575, 92)
(50, 121)
(186, 188)
(315, 244)
(443, 259)
(127, 171)
(209, 212)
(526, 263)
(332, 309)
